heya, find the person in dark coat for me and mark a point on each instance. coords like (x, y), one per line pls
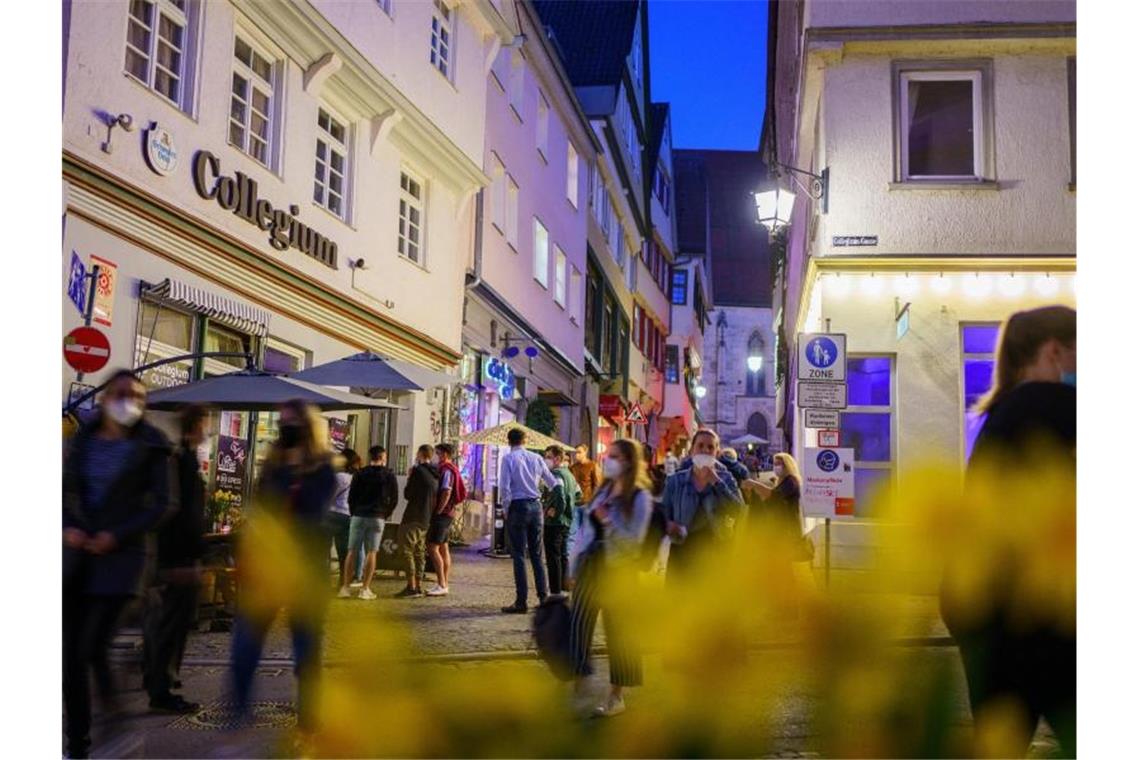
(115, 490)
(283, 557)
(180, 549)
(1027, 662)
(422, 493)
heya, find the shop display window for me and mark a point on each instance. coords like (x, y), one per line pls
(979, 342)
(164, 333)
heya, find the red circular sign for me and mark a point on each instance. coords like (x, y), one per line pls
(86, 349)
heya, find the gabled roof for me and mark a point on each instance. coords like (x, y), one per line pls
(595, 37)
(658, 116)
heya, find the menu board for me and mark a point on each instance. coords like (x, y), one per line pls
(338, 434)
(229, 470)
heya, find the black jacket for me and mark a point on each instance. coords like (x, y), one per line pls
(180, 535)
(132, 506)
(374, 493)
(422, 493)
(1030, 415)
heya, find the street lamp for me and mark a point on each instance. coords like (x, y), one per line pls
(755, 362)
(774, 207)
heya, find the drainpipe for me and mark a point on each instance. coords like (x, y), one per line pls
(478, 280)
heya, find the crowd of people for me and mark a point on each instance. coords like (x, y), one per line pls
(580, 525)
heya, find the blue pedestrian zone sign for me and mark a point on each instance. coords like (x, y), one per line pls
(77, 283)
(823, 357)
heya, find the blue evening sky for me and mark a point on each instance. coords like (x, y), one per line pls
(707, 59)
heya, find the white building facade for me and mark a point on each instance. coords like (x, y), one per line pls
(297, 174)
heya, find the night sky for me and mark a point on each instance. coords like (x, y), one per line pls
(707, 59)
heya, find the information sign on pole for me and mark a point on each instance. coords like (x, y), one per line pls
(828, 438)
(823, 356)
(813, 395)
(829, 483)
(821, 419)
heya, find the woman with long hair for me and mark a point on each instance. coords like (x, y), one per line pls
(339, 518)
(782, 498)
(1020, 664)
(283, 556)
(609, 542)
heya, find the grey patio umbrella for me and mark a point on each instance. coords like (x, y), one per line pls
(258, 391)
(748, 439)
(374, 372)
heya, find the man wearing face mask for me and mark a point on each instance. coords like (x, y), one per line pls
(115, 490)
(695, 498)
(558, 514)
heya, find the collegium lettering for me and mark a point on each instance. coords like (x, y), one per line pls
(239, 195)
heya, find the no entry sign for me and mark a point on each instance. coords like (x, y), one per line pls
(86, 349)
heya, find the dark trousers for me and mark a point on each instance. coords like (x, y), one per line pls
(1037, 672)
(625, 659)
(89, 622)
(337, 526)
(524, 527)
(557, 555)
(166, 627)
(248, 641)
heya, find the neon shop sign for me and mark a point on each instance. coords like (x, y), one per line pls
(499, 377)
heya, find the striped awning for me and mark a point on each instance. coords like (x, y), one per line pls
(228, 311)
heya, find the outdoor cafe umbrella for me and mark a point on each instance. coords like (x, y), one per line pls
(258, 391)
(374, 372)
(748, 440)
(497, 436)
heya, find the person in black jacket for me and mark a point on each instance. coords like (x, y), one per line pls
(372, 499)
(421, 493)
(115, 489)
(1013, 659)
(180, 549)
(283, 558)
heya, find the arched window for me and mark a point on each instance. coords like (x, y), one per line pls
(758, 425)
(754, 382)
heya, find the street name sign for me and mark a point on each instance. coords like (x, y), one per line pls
(86, 349)
(823, 356)
(829, 483)
(812, 395)
(821, 419)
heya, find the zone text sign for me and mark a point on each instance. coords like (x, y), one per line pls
(811, 395)
(823, 356)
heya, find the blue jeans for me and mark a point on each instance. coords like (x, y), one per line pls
(248, 641)
(524, 526)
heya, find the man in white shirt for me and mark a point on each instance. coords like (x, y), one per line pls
(518, 493)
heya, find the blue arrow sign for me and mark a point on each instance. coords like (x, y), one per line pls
(77, 283)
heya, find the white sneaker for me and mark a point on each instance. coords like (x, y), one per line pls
(611, 708)
(344, 593)
(366, 594)
(437, 590)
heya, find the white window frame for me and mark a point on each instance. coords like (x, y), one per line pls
(541, 254)
(891, 409)
(572, 168)
(404, 222)
(575, 295)
(949, 75)
(963, 357)
(303, 356)
(516, 88)
(333, 146)
(443, 40)
(559, 276)
(498, 194)
(512, 230)
(255, 81)
(185, 18)
(542, 128)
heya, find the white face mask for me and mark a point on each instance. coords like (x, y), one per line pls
(704, 460)
(612, 468)
(124, 412)
(549, 463)
(779, 471)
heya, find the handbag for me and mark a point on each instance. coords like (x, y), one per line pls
(551, 630)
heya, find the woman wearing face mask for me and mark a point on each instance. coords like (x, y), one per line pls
(115, 490)
(1011, 659)
(294, 493)
(609, 542)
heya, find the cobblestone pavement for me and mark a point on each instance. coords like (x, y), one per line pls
(468, 621)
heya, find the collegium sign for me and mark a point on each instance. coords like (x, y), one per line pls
(239, 195)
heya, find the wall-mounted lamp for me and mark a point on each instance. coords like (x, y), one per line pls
(124, 121)
(774, 207)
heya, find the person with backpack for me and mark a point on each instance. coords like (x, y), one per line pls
(610, 545)
(452, 492)
(372, 499)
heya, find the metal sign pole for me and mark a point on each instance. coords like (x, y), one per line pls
(827, 552)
